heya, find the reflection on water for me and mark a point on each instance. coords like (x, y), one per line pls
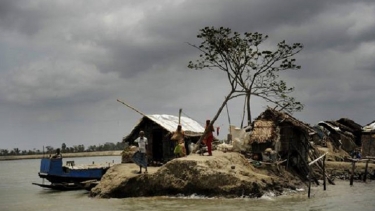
(17, 193)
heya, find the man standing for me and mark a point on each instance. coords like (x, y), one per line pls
(142, 150)
(58, 154)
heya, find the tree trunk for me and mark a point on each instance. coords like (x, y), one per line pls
(244, 111)
(248, 109)
(213, 121)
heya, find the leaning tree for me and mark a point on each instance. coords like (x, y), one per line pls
(251, 70)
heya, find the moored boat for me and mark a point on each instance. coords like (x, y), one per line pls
(69, 176)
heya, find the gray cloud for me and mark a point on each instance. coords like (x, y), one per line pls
(63, 64)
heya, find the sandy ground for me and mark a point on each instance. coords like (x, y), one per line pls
(65, 155)
(130, 169)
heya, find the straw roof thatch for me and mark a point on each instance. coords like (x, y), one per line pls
(263, 131)
(344, 127)
(265, 125)
(350, 124)
(340, 135)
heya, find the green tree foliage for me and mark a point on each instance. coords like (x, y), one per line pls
(91, 148)
(251, 71)
(63, 147)
(15, 151)
(50, 149)
(79, 148)
(108, 146)
(4, 152)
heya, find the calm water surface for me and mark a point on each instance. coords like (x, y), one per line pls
(17, 193)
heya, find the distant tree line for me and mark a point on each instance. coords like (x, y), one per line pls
(108, 146)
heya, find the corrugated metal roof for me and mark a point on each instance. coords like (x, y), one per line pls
(170, 123)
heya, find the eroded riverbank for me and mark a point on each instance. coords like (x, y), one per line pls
(221, 175)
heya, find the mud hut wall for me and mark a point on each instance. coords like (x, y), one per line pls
(292, 139)
(318, 140)
(157, 142)
(368, 144)
(149, 127)
(261, 147)
(347, 143)
(287, 137)
(168, 145)
(168, 148)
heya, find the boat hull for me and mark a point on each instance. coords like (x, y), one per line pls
(64, 177)
(67, 178)
(61, 186)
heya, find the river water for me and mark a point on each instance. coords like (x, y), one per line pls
(17, 193)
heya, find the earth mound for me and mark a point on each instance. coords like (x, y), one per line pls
(224, 174)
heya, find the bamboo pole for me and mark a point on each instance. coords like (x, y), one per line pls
(308, 168)
(229, 137)
(366, 171)
(314, 161)
(179, 116)
(131, 108)
(313, 155)
(287, 162)
(324, 174)
(226, 105)
(352, 175)
(309, 191)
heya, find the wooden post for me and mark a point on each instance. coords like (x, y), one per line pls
(287, 162)
(131, 107)
(324, 174)
(366, 171)
(352, 175)
(179, 116)
(309, 177)
(226, 105)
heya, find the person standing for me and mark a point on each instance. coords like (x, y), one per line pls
(209, 137)
(58, 154)
(142, 150)
(178, 138)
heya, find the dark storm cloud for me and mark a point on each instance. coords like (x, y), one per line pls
(23, 17)
(65, 62)
(167, 30)
(131, 59)
(239, 15)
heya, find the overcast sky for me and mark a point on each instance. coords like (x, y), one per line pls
(63, 64)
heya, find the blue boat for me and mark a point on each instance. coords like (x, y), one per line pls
(69, 176)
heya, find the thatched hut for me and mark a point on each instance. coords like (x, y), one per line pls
(340, 135)
(368, 140)
(157, 129)
(352, 127)
(282, 133)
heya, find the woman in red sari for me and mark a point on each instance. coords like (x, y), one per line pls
(209, 137)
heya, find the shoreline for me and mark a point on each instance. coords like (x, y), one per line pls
(227, 175)
(65, 155)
